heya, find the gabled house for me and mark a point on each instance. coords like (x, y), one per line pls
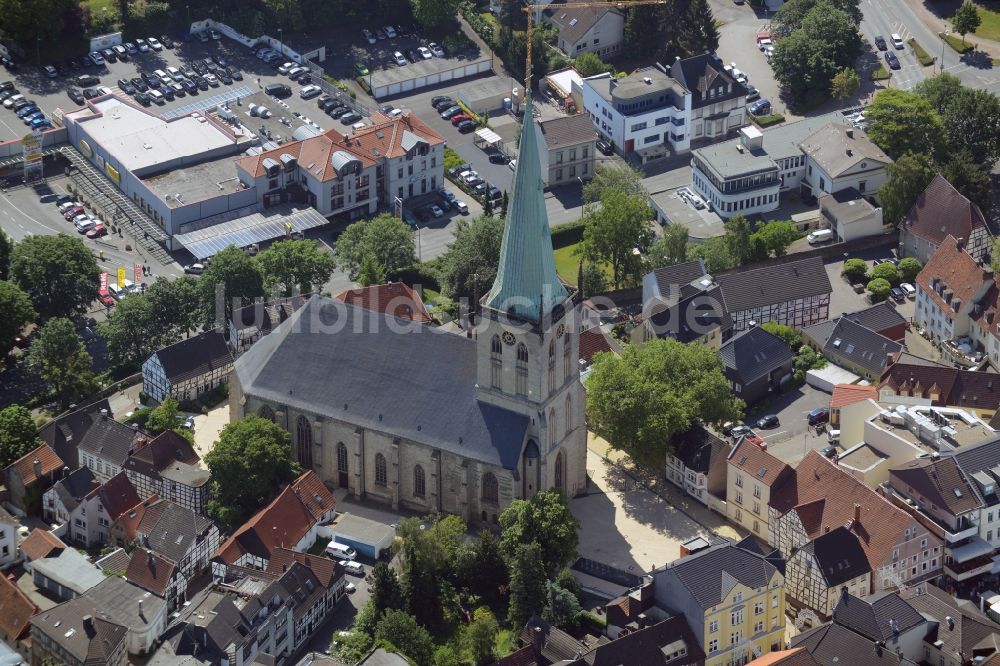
(290, 521)
(143, 614)
(685, 303)
(950, 288)
(187, 369)
(850, 216)
(883, 318)
(566, 148)
(697, 464)
(845, 395)
(61, 500)
(852, 346)
(177, 534)
(823, 569)
(587, 29)
(78, 635)
(751, 475)
(64, 432)
(66, 575)
(394, 299)
(8, 538)
(38, 545)
(158, 575)
(914, 381)
(820, 496)
(717, 99)
(16, 611)
(169, 467)
(251, 322)
(958, 632)
(28, 477)
(843, 158)
(89, 521)
(941, 211)
(732, 596)
(796, 293)
(755, 363)
(107, 444)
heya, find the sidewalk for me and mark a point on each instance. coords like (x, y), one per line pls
(938, 24)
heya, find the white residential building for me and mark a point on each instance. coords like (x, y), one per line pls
(587, 30)
(8, 539)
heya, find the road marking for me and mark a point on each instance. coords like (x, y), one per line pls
(781, 432)
(38, 222)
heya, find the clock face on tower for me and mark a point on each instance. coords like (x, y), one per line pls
(560, 330)
(507, 337)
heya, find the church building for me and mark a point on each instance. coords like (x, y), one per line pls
(405, 413)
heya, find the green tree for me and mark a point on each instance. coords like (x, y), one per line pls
(940, 90)
(909, 268)
(444, 655)
(909, 175)
(355, 646)
(430, 557)
(479, 637)
(386, 592)
(804, 66)
(163, 417)
(844, 84)
(595, 280)
(132, 332)
(401, 630)
(16, 312)
(878, 289)
(614, 178)
(562, 608)
(231, 279)
(59, 355)
(855, 269)
(970, 178)
(699, 31)
(469, 266)
(614, 230)
(388, 239)
(250, 462)
(738, 239)
(971, 121)
(6, 247)
(638, 401)
(588, 64)
(775, 237)
(176, 306)
(788, 335)
(669, 249)
(642, 29)
(17, 434)
(716, 254)
(791, 14)
(903, 121)
(370, 272)
(290, 264)
(995, 257)
(546, 520)
(885, 272)
(966, 19)
(527, 584)
(58, 272)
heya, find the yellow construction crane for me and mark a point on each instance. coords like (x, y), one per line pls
(530, 10)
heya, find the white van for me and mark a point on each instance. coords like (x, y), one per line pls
(162, 76)
(118, 291)
(355, 568)
(821, 236)
(175, 74)
(156, 96)
(339, 551)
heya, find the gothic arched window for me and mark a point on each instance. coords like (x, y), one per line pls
(304, 439)
(568, 414)
(265, 412)
(381, 477)
(496, 361)
(491, 488)
(552, 365)
(568, 355)
(419, 486)
(522, 369)
(560, 462)
(552, 427)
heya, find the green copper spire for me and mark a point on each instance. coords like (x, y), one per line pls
(527, 285)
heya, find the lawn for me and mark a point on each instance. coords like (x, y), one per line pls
(989, 26)
(568, 263)
(96, 6)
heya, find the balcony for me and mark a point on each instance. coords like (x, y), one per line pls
(962, 534)
(976, 547)
(969, 569)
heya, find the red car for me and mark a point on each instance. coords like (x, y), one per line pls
(105, 298)
(73, 212)
(98, 231)
(456, 119)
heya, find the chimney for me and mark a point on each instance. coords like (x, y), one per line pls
(641, 620)
(37, 466)
(850, 135)
(960, 242)
(951, 623)
(88, 625)
(537, 641)
(104, 413)
(857, 513)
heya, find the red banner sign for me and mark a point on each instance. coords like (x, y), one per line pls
(104, 281)
(138, 274)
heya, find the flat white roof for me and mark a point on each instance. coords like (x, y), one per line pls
(565, 78)
(140, 140)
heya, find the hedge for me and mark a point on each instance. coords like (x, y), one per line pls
(423, 274)
(922, 56)
(880, 74)
(957, 43)
(769, 120)
(567, 234)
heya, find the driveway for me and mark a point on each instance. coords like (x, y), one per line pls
(793, 439)
(208, 426)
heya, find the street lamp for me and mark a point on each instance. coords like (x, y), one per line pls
(944, 38)
(281, 42)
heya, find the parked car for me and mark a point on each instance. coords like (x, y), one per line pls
(275, 90)
(436, 50)
(367, 35)
(897, 41)
(350, 118)
(425, 52)
(154, 43)
(412, 56)
(360, 69)
(768, 421)
(50, 71)
(390, 31)
(167, 43)
(880, 43)
(75, 95)
(435, 210)
(461, 207)
(130, 47)
(139, 84)
(451, 111)
(398, 57)
(443, 103)
(105, 298)
(142, 45)
(194, 269)
(212, 80)
(761, 107)
(496, 157)
(752, 92)
(908, 290)
(310, 91)
(818, 415)
(604, 147)
(459, 117)
(97, 231)
(891, 60)
(897, 295)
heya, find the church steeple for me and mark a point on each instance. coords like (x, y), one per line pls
(527, 284)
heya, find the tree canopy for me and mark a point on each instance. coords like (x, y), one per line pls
(231, 279)
(401, 630)
(16, 312)
(250, 463)
(909, 268)
(469, 267)
(614, 177)
(909, 175)
(387, 239)
(527, 584)
(59, 355)
(669, 249)
(295, 264)
(544, 519)
(638, 401)
(966, 19)
(613, 232)
(58, 272)
(902, 122)
(132, 332)
(588, 64)
(17, 434)
(6, 247)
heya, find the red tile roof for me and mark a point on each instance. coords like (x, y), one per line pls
(848, 394)
(41, 543)
(165, 449)
(150, 571)
(593, 341)
(283, 522)
(940, 211)
(326, 570)
(369, 146)
(523, 657)
(957, 273)
(795, 657)
(130, 519)
(950, 387)
(817, 478)
(395, 298)
(16, 610)
(25, 466)
(757, 462)
(117, 495)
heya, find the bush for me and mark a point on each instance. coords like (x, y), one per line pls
(855, 269)
(878, 289)
(363, 82)
(957, 43)
(769, 120)
(341, 86)
(567, 234)
(880, 73)
(424, 274)
(457, 42)
(886, 272)
(909, 268)
(922, 55)
(452, 158)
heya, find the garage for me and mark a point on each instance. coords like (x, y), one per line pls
(423, 74)
(369, 537)
(488, 95)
